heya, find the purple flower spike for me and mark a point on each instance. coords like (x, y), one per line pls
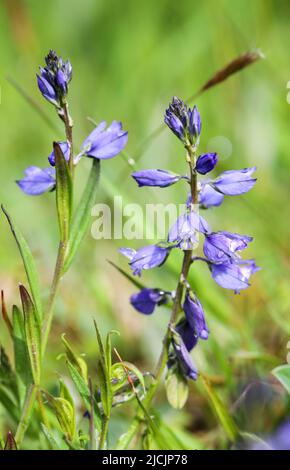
(184, 122)
(147, 257)
(37, 180)
(221, 247)
(184, 233)
(195, 316)
(176, 117)
(146, 300)
(183, 357)
(65, 147)
(234, 276)
(235, 182)
(54, 79)
(105, 143)
(161, 178)
(206, 163)
(209, 197)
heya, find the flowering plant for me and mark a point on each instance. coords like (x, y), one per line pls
(221, 249)
(21, 387)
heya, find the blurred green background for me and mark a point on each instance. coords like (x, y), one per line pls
(129, 58)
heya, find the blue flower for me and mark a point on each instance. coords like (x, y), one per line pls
(234, 276)
(37, 180)
(195, 316)
(206, 163)
(54, 79)
(46, 89)
(221, 247)
(146, 300)
(235, 182)
(187, 333)
(147, 257)
(161, 178)
(184, 122)
(105, 143)
(65, 147)
(182, 357)
(184, 233)
(209, 197)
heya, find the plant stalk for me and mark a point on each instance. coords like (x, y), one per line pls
(187, 260)
(58, 272)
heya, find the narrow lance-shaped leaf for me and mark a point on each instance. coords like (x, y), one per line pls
(222, 413)
(5, 313)
(103, 376)
(28, 262)
(21, 356)
(75, 359)
(64, 192)
(10, 443)
(82, 216)
(84, 391)
(65, 415)
(32, 333)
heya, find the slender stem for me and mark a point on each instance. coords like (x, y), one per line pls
(93, 440)
(186, 263)
(104, 432)
(68, 130)
(53, 291)
(58, 272)
(26, 412)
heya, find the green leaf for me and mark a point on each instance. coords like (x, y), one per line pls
(84, 391)
(65, 415)
(221, 411)
(8, 403)
(103, 375)
(53, 445)
(82, 216)
(109, 350)
(282, 373)
(64, 192)
(28, 262)
(21, 356)
(75, 359)
(32, 333)
(176, 389)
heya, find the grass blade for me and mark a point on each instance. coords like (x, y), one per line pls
(28, 261)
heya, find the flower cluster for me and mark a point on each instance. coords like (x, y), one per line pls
(102, 143)
(221, 249)
(54, 79)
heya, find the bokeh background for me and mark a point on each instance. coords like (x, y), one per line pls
(129, 58)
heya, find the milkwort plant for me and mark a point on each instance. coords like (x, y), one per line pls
(21, 388)
(21, 391)
(221, 250)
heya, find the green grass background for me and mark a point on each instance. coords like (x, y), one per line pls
(129, 58)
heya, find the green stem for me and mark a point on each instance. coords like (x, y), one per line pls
(104, 432)
(58, 272)
(53, 291)
(26, 412)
